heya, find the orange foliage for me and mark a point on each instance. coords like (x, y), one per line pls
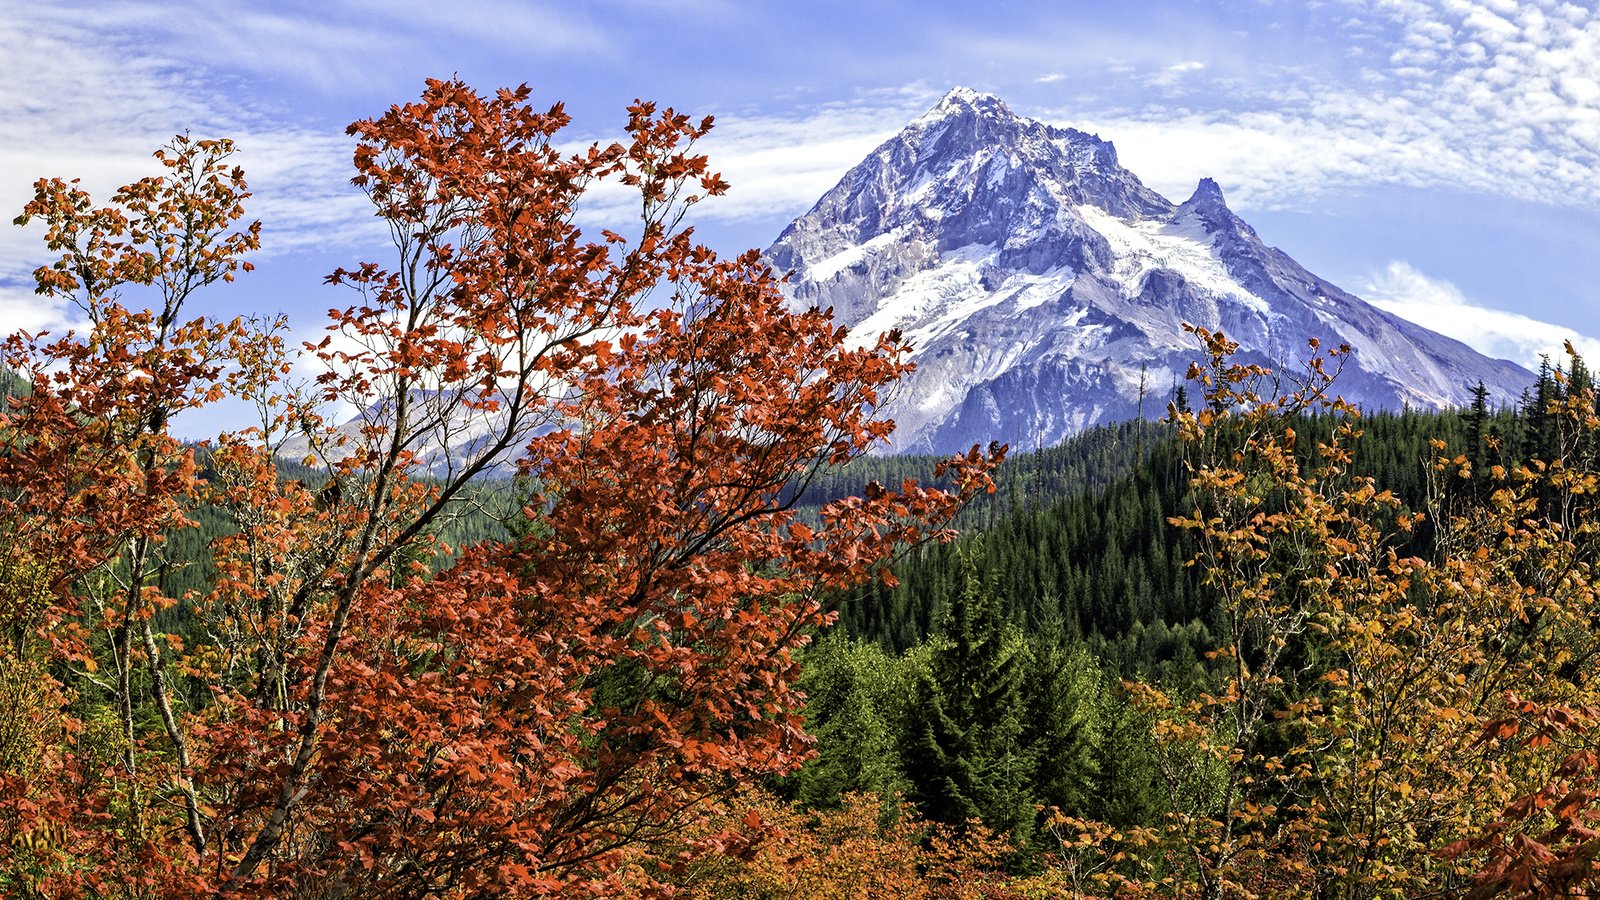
(860, 850)
(338, 719)
(1360, 741)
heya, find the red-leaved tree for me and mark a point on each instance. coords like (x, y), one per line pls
(364, 715)
(93, 783)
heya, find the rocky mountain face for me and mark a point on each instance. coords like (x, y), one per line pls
(1044, 288)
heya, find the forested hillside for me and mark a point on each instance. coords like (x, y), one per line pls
(1038, 662)
(1078, 540)
(11, 385)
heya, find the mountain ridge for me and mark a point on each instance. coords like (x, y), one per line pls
(1044, 287)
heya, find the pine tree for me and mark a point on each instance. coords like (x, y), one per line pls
(850, 689)
(961, 737)
(1541, 437)
(1579, 379)
(1477, 420)
(1180, 398)
(1127, 783)
(1580, 382)
(1060, 729)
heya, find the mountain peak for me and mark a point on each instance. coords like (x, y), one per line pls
(959, 100)
(1207, 202)
(1043, 287)
(1207, 191)
(1207, 205)
(962, 92)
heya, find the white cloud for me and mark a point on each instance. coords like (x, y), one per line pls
(23, 310)
(1261, 159)
(1439, 305)
(781, 166)
(81, 99)
(778, 166)
(1487, 96)
(1173, 74)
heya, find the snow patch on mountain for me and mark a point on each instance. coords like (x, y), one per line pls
(1027, 291)
(849, 256)
(1183, 246)
(928, 303)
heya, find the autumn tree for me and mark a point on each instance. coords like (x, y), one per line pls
(522, 721)
(1342, 752)
(855, 850)
(91, 484)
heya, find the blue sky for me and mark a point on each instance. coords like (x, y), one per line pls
(1439, 157)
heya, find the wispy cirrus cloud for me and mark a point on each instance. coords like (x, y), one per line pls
(83, 99)
(340, 47)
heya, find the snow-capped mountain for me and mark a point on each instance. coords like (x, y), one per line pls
(1040, 283)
